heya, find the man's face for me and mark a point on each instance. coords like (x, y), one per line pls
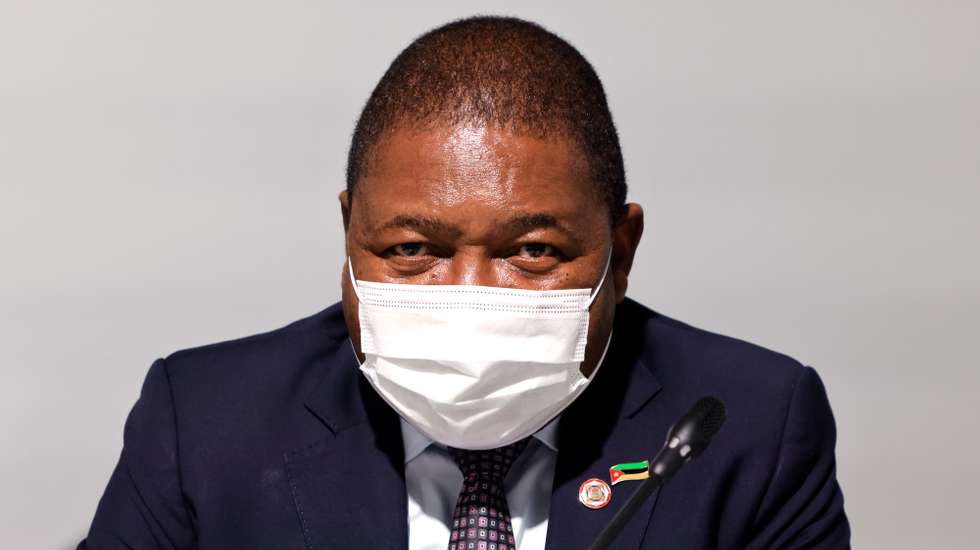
(480, 206)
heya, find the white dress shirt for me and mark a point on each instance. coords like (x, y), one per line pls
(433, 482)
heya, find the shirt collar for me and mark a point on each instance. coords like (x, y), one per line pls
(416, 442)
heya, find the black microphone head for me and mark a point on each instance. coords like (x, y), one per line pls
(712, 413)
(694, 430)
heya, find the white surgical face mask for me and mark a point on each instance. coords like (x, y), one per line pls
(475, 367)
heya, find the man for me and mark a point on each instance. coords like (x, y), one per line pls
(485, 370)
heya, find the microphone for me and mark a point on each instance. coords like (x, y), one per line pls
(686, 439)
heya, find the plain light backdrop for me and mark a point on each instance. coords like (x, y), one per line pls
(810, 173)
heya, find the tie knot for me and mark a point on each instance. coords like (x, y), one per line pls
(489, 463)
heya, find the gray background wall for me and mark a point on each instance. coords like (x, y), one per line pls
(168, 173)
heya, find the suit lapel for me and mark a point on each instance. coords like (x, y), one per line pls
(609, 424)
(349, 487)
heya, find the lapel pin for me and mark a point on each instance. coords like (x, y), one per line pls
(594, 493)
(629, 470)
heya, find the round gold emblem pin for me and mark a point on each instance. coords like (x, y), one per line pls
(594, 493)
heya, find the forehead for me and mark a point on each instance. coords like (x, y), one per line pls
(467, 171)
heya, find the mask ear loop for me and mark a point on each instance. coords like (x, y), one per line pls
(595, 293)
(353, 281)
(353, 284)
(602, 279)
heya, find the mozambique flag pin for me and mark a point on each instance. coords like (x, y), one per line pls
(629, 470)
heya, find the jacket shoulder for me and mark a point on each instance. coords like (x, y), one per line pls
(251, 390)
(756, 384)
(323, 329)
(260, 357)
(688, 355)
(778, 441)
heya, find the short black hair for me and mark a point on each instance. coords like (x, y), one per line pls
(499, 71)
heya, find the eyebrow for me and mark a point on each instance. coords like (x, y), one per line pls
(421, 223)
(519, 222)
(526, 222)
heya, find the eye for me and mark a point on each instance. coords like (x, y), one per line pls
(409, 250)
(536, 250)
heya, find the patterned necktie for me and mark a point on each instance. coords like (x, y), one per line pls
(481, 520)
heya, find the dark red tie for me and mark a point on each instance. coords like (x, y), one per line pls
(481, 520)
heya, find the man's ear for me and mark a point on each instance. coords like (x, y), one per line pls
(626, 238)
(344, 198)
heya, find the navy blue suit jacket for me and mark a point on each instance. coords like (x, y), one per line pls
(276, 441)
